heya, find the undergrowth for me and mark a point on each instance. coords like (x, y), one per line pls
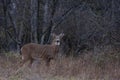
(102, 66)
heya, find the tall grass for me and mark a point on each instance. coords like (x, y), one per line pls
(102, 66)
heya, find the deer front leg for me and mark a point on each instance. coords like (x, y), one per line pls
(48, 61)
(30, 63)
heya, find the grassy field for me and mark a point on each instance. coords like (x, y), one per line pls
(104, 66)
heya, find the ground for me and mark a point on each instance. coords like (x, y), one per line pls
(85, 67)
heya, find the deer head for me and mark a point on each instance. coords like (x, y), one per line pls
(57, 39)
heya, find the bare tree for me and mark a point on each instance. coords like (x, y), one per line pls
(34, 20)
(49, 11)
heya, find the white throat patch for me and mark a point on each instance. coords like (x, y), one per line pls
(57, 43)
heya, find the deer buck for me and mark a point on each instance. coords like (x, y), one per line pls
(33, 51)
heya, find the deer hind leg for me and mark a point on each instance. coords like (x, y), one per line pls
(24, 60)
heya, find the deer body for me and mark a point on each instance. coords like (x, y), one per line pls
(33, 51)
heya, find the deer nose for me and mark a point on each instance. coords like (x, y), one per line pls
(58, 41)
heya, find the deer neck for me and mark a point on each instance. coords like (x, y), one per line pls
(55, 46)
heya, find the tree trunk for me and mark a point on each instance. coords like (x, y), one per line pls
(34, 20)
(49, 11)
(13, 19)
(45, 20)
(5, 23)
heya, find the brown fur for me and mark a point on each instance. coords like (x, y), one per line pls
(33, 51)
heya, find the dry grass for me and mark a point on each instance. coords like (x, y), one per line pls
(105, 66)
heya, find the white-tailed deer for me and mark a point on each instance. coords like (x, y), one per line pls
(33, 51)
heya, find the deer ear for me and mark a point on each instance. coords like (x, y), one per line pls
(61, 35)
